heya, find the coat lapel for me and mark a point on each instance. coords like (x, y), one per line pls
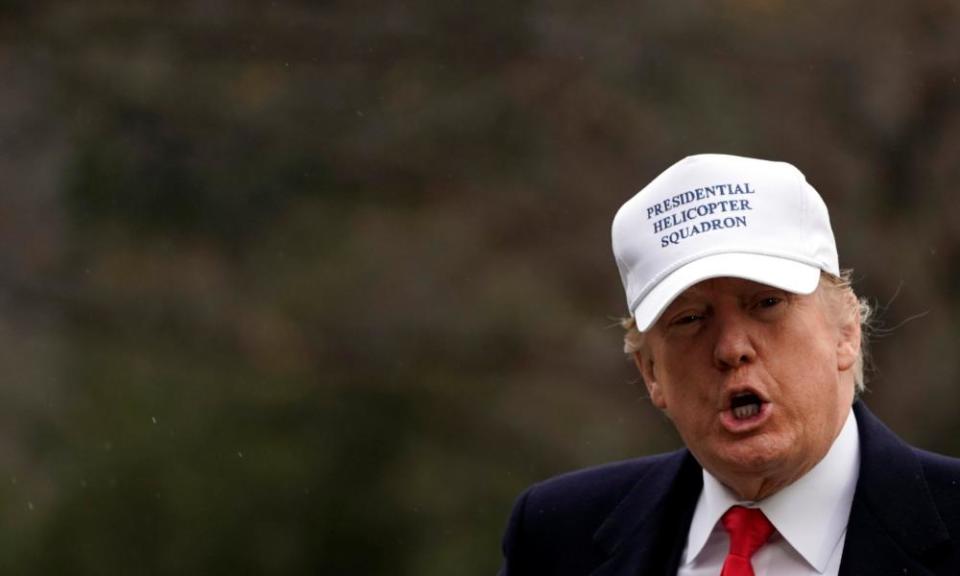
(894, 523)
(647, 531)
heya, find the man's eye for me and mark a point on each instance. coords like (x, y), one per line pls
(769, 302)
(686, 319)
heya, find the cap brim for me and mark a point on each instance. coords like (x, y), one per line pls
(782, 273)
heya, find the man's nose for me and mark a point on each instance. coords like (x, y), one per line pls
(734, 346)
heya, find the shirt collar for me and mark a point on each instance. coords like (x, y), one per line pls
(811, 514)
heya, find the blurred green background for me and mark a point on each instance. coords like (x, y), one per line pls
(318, 288)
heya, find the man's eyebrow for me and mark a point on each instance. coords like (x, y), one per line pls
(764, 289)
(695, 291)
(687, 297)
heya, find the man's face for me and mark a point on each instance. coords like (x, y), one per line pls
(758, 381)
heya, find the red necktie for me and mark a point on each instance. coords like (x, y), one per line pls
(749, 529)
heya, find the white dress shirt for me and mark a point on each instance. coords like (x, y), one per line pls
(810, 517)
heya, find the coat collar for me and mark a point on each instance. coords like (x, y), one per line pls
(894, 522)
(648, 529)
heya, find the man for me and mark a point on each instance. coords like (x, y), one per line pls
(748, 338)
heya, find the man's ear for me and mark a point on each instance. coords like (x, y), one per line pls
(848, 341)
(644, 364)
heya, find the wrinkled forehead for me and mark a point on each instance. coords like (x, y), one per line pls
(724, 286)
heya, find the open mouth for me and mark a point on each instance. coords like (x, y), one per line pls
(745, 405)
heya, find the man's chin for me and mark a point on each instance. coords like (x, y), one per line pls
(755, 456)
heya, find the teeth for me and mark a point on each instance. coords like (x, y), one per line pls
(741, 412)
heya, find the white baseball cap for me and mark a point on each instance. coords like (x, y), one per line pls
(714, 215)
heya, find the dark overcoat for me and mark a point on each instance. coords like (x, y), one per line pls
(631, 518)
